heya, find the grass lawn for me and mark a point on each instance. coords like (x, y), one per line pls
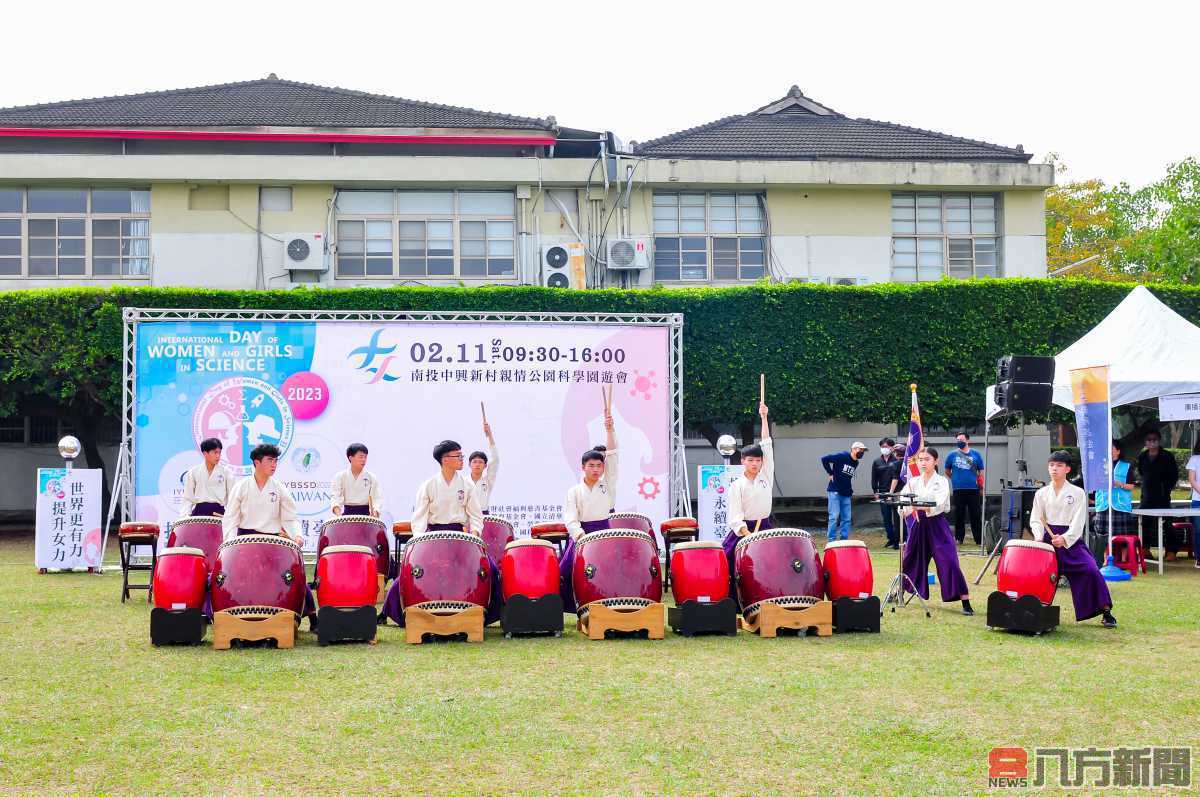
(90, 707)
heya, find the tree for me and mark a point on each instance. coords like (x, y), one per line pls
(1169, 247)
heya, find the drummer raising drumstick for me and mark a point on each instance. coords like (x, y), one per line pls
(750, 493)
(485, 467)
(589, 503)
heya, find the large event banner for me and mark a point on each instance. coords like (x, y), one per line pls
(400, 387)
(67, 523)
(1089, 391)
(712, 502)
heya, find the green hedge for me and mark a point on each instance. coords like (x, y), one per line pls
(829, 352)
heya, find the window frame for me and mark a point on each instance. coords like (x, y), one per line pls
(916, 238)
(455, 217)
(710, 236)
(88, 217)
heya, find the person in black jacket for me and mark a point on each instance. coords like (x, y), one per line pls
(883, 471)
(1160, 473)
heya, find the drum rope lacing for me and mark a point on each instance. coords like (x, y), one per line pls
(215, 521)
(263, 539)
(771, 533)
(354, 519)
(616, 604)
(786, 601)
(256, 611)
(608, 534)
(443, 607)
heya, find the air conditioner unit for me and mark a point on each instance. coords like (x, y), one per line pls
(562, 265)
(849, 281)
(304, 252)
(628, 254)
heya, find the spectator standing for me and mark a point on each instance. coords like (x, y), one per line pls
(841, 468)
(1160, 473)
(965, 469)
(883, 472)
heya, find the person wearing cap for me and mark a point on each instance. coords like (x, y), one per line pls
(840, 468)
(1058, 517)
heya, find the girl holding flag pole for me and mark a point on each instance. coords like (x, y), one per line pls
(928, 533)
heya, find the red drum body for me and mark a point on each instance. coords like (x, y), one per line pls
(346, 576)
(617, 566)
(1028, 568)
(357, 530)
(497, 533)
(699, 572)
(204, 533)
(180, 578)
(632, 520)
(777, 565)
(530, 568)
(848, 573)
(447, 570)
(258, 571)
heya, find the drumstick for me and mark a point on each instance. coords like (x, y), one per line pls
(762, 388)
(483, 412)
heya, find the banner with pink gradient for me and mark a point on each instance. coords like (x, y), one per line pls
(312, 388)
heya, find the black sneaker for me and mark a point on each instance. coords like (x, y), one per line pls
(967, 610)
(1108, 621)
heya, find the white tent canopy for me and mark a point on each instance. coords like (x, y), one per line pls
(1152, 351)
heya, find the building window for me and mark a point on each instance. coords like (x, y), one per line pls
(276, 198)
(426, 234)
(709, 236)
(935, 235)
(74, 232)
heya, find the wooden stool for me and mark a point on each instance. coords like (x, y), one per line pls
(402, 532)
(677, 529)
(130, 535)
(771, 617)
(640, 616)
(253, 624)
(554, 533)
(425, 620)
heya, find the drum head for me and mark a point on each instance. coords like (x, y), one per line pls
(497, 521)
(214, 521)
(337, 521)
(530, 543)
(402, 527)
(430, 536)
(607, 534)
(845, 544)
(767, 534)
(680, 523)
(548, 528)
(348, 549)
(181, 550)
(1029, 544)
(694, 544)
(260, 539)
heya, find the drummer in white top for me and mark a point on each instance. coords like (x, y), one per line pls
(485, 469)
(259, 504)
(355, 490)
(929, 535)
(446, 502)
(750, 494)
(206, 487)
(1058, 517)
(588, 504)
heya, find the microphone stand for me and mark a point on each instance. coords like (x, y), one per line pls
(901, 583)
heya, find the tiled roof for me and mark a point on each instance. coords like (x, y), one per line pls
(797, 128)
(261, 103)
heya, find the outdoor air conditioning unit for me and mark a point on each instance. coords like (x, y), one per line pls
(562, 265)
(304, 252)
(849, 281)
(628, 254)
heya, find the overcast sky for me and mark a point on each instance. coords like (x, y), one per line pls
(1110, 87)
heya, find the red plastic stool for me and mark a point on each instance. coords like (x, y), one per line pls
(1128, 553)
(1187, 536)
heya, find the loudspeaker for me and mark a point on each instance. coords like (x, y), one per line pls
(1017, 396)
(1025, 368)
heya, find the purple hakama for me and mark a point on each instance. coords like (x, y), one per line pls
(1089, 592)
(931, 538)
(566, 565)
(730, 542)
(207, 509)
(357, 509)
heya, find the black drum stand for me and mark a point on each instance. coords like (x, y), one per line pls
(176, 626)
(346, 624)
(692, 618)
(525, 616)
(1026, 614)
(857, 614)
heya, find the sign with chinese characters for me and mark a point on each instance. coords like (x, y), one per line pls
(712, 504)
(1089, 392)
(1180, 407)
(68, 519)
(313, 387)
